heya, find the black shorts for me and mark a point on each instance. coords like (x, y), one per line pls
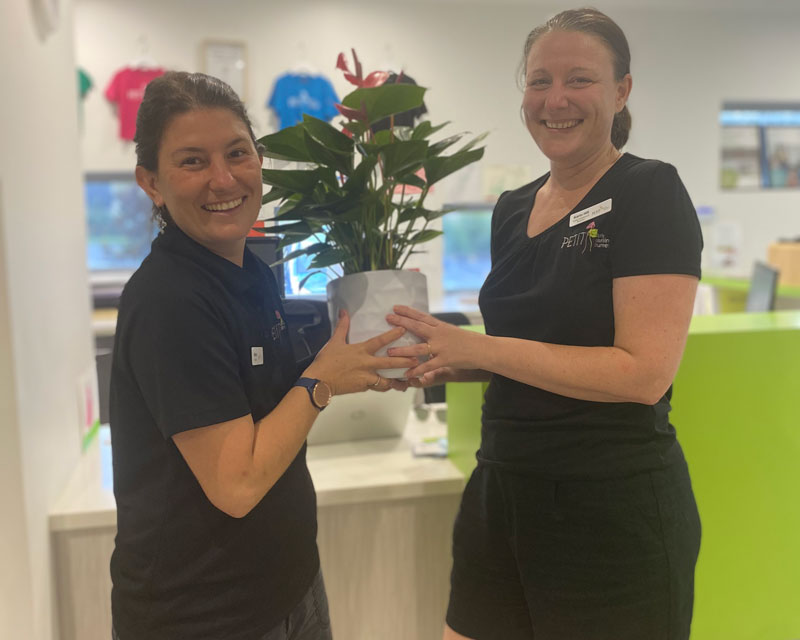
(575, 560)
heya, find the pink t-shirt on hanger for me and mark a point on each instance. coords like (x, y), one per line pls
(126, 89)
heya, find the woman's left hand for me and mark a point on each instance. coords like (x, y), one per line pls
(444, 344)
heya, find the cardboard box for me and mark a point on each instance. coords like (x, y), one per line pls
(785, 257)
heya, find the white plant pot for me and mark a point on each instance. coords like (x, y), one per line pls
(369, 296)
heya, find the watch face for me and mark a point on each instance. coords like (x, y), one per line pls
(322, 394)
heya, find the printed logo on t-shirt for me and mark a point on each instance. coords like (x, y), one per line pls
(257, 355)
(596, 210)
(587, 240)
(279, 326)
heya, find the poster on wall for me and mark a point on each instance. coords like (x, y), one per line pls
(782, 147)
(760, 146)
(741, 158)
(227, 61)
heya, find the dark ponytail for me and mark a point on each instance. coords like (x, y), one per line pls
(621, 128)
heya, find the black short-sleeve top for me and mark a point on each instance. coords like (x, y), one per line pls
(201, 341)
(556, 287)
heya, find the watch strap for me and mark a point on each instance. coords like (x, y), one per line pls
(308, 384)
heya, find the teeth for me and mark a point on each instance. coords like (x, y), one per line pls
(224, 206)
(561, 125)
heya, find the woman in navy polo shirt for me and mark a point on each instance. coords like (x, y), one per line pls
(209, 416)
(579, 522)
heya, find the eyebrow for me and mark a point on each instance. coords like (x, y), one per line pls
(232, 143)
(573, 70)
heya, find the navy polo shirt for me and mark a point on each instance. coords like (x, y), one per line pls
(200, 341)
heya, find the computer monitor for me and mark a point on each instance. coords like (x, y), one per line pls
(120, 228)
(466, 255)
(763, 286)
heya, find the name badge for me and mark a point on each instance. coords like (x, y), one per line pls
(257, 356)
(594, 211)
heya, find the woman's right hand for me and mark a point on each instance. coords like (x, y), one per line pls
(349, 368)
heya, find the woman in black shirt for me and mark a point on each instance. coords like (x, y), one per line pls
(216, 509)
(579, 522)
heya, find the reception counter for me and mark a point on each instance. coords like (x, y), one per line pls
(735, 408)
(385, 522)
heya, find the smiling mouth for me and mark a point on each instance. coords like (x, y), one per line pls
(223, 206)
(562, 124)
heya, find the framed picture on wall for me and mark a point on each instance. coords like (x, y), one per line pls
(226, 60)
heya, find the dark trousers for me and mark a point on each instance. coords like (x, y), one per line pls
(309, 620)
(575, 560)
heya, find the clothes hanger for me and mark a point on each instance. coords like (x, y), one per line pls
(303, 67)
(143, 60)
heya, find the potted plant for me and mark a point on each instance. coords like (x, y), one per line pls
(360, 194)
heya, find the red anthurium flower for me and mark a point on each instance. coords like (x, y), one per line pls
(341, 63)
(352, 79)
(353, 114)
(375, 79)
(359, 73)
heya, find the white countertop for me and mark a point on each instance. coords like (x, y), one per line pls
(343, 473)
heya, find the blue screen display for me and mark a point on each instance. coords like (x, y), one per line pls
(466, 256)
(296, 270)
(119, 222)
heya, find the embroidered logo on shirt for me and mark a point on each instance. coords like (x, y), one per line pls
(595, 211)
(257, 355)
(587, 240)
(279, 326)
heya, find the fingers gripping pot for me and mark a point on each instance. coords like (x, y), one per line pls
(369, 296)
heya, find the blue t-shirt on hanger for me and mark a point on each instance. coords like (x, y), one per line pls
(296, 94)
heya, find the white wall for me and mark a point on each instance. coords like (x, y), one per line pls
(685, 64)
(45, 340)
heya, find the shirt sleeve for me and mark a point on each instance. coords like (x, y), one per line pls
(277, 98)
(656, 231)
(183, 359)
(112, 90)
(329, 101)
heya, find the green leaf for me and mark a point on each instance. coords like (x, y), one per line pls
(438, 168)
(356, 128)
(312, 249)
(424, 236)
(403, 156)
(327, 135)
(288, 241)
(360, 177)
(425, 129)
(437, 147)
(292, 229)
(379, 140)
(306, 278)
(303, 211)
(385, 100)
(412, 179)
(286, 144)
(328, 258)
(294, 180)
(475, 141)
(325, 157)
(433, 215)
(411, 213)
(276, 193)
